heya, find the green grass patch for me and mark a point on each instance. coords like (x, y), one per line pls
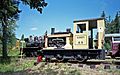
(0, 52)
(13, 52)
(14, 65)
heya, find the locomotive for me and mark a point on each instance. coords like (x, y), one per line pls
(86, 42)
(33, 45)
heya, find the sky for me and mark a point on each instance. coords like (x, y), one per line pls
(60, 14)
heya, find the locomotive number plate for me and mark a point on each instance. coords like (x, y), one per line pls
(80, 39)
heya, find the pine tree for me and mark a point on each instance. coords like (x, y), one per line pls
(114, 26)
(103, 14)
(9, 12)
(117, 23)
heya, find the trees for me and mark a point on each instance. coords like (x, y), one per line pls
(111, 27)
(103, 14)
(9, 13)
(114, 25)
(11, 31)
(35, 4)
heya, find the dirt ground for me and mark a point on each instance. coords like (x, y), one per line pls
(67, 69)
(74, 69)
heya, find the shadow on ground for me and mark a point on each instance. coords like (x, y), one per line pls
(5, 60)
(19, 73)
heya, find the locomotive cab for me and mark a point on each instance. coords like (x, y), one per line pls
(88, 34)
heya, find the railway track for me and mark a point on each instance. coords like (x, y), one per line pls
(92, 61)
(92, 64)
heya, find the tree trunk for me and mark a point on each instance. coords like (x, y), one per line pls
(4, 39)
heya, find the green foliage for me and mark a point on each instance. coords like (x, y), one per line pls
(8, 17)
(9, 8)
(35, 4)
(11, 34)
(9, 14)
(15, 66)
(111, 27)
(107, 46)
(14, 53)
(114, 25)
(0, 52)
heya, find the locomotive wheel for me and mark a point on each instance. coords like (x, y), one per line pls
(59, 57)
(65, 60)
(85, 59)
(81, 58)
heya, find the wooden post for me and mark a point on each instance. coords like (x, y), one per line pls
(21, 50)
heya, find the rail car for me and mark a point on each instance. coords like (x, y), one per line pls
(86, 42)
(114, 40)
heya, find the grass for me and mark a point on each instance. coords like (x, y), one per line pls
(13, 63)
(0, 52)
(55, 69)
(13, 52)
